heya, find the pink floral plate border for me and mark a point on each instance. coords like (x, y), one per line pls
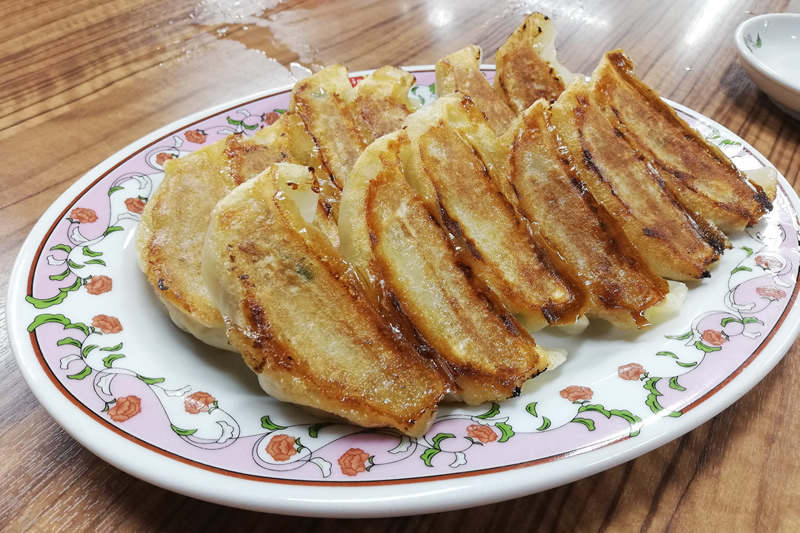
(98, 351)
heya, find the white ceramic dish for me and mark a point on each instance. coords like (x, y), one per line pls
(100, 354)
(769, 46)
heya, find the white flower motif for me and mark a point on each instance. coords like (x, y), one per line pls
(323, 465)
(461, 459)
(405, 444)
(227, 431)
(67, 359)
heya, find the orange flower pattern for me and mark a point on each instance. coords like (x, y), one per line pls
(107, 324)
(163, 157)
(771, 292)
(199, 402)
(271, 118)
(98, 285)
(713, 337)
(768, 263)
(484, 434)
(281, 447)
(84, 215)
(574, 393)
(125, 408)
(631, 371)
(195, 136)
(353, 461)
(134, 205)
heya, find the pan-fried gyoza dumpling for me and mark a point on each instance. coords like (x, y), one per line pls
(527, 67)
(452, 178)
(460, 72)
(170, 237)
(297, 313)
(344, 119)
(676, 244)
(622, 287)
(703, 179)
(403, 254)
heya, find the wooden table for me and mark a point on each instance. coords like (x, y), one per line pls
(80, 80)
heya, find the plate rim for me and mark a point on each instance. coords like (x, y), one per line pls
(371, 500)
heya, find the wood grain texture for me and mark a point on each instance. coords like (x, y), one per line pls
(81, 80)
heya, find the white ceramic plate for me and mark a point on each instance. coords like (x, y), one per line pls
(100, 354)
